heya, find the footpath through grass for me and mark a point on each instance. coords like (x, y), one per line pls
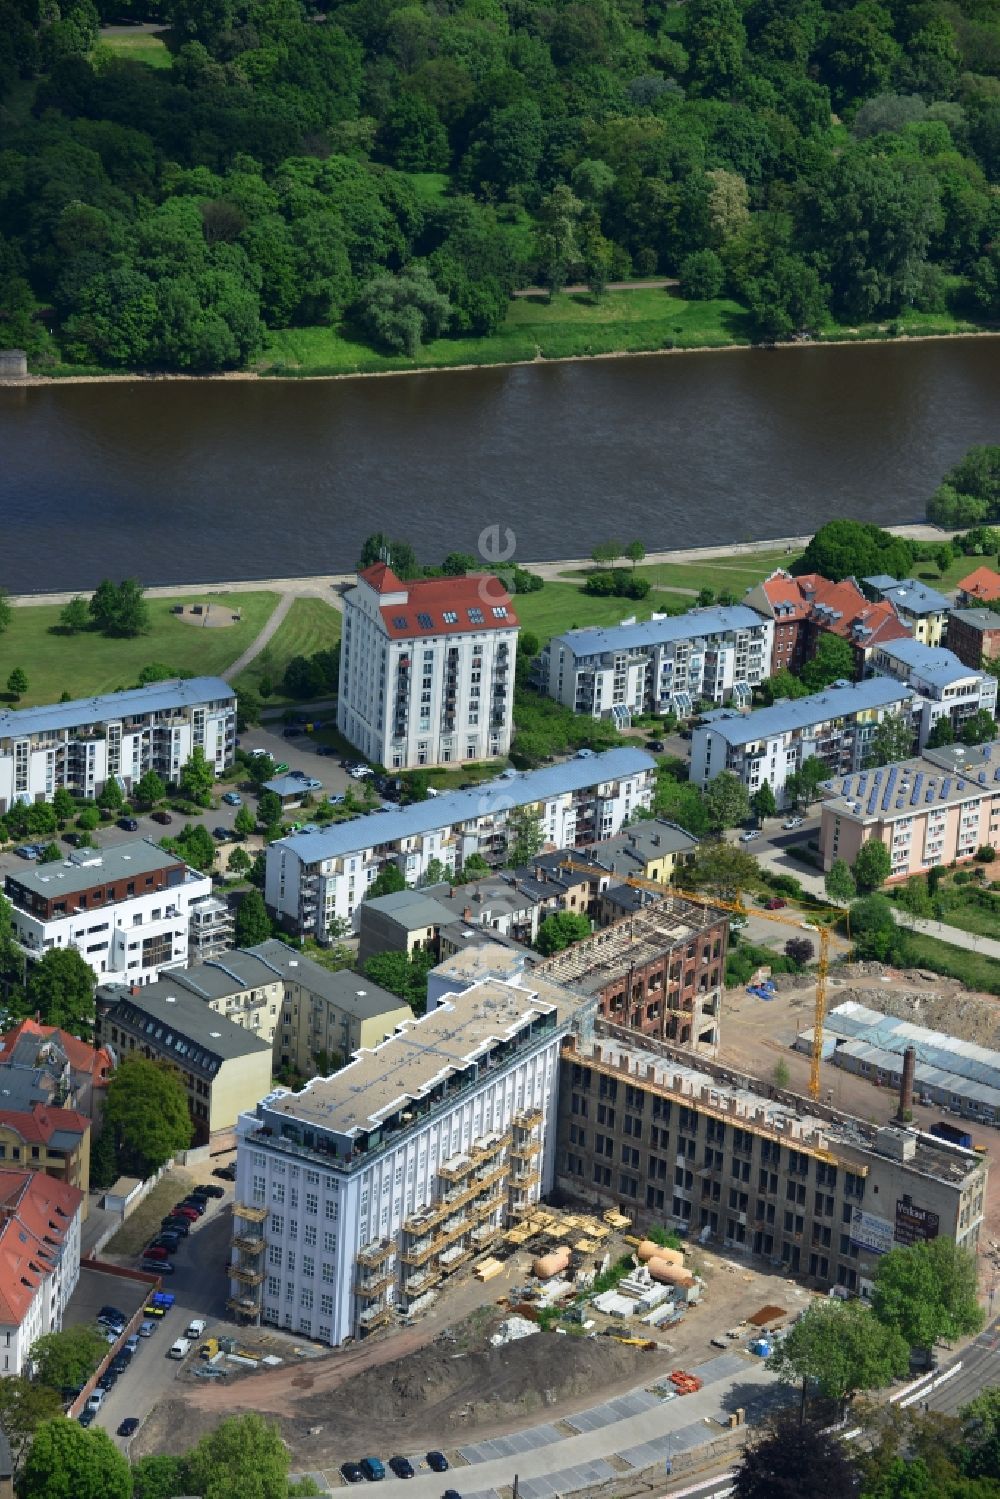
(310, 625)
(91, 663)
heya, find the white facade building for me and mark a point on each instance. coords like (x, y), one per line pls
(427, 669)
(127, 910)
(947, 687)
(313, 877)
(664, 665)
(39, 1260)
(836, 725)
(82, 745)
(362, 1193)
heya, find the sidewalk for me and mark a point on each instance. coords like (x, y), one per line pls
(972, 942)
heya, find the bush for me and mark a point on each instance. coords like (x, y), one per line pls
(701, 276)
(985, 854)
(963, 877)
(615, 582)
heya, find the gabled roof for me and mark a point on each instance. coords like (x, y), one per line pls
(841, 608)
(381, 577)
(41, 1125)
(838, 701)
(158, 697)
(35, 1213)
(694, 625)
(21, 1046)
(983, 583)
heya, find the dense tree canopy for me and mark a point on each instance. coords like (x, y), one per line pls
(147, 1111)
(396, 169)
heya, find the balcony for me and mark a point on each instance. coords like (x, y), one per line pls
(251, 1211)
(373, 1286)
(374, 1254)
(418, 1254)
(528, 1119)
(417, 1284)
(245, 1275)
(523, 1180)
(248, 1244)
(456, 1169)
(375, 1316)
(454, 1257)
(243, 1306)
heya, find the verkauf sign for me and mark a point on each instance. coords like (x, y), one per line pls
(914, 1225)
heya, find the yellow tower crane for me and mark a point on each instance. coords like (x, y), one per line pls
(738, 908)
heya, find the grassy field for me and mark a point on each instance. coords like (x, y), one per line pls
(310, 625)
(972, 968)
(735, 574)
(139, 47)
(144, 1223)
(565, 606)
(89, 663)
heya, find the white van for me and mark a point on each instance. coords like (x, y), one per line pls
(195, 1328)
(180, 1349)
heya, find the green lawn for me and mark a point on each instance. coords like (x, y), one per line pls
(971, 968)
(310, 625)
(140, 47)
(89, 663)
(430, 187)
(735, 574)
(565, 606)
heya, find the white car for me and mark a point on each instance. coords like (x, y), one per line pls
(793, 822)
(749, 835)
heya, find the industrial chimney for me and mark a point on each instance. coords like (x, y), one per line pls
(906, 1084)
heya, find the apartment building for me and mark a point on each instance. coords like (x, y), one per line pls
(923, 610)
(659, 970)
(43, 1064)
(212, 928)
(668, 664)
(127, 910)
(667, 1139)
(981, 586)
(38, 1137)
(949, 690)
(39, 1260)
(653, 849)
(423, 920)
(936, 809)
(974, 635)
(365, 1191)
(427, 669)
(313, 877)
(836, 725)
(83, 744)
(805, 608)
(225, 1067)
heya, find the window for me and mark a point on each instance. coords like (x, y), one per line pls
(277, 1223)
(308, 1265)
(475, 616)
(328, 1275)
(274, 1255)
(330, 1243)
(306, 1298)
(309, 1235)
(290, 1260)
(326, 1306)
(277, 1191)
(425, 622)
(330, 1209)
(400, 621)
(499, 611)
(273, 1286)
(312, 1204)
(450, 617)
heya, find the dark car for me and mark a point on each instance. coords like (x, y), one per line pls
(222, 833)
(163, 818)
(107, 1381)
(328, 749)
(451, 1494)
(352, 1472)
(774, 903)
(86, 1417)
(373, 1469)
(169, 1243)
(161, 1267)
(209, 1190)
(129, 824)
(227, 1173)
(656, 745)
(437, 1462)
(294, 730)
(198, 1203)
(128, 1426)
(111, 1314)
(180, 1226)
(401, 1466)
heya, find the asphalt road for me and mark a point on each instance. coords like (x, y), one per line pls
(980, 1371)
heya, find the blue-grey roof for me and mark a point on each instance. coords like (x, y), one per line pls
(934, 1048)
(155, 698)
(910, 594)
(464, 806)
(978, 619)
(291, 785)
(596, 640)
(801, 713)
(933, 663)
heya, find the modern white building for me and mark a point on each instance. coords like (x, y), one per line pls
(127, 910)
(39, 1260)
(82, 745)
(947, 687)
(837, 725)
(313, 877)
(427, 668)
(360, 1194)
(666, 664)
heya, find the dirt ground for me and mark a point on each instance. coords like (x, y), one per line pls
(440, 1384)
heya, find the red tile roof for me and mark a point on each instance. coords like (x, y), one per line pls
(37, 1125)
(982, 584)
(81, 1055)
(785, 596)
(442, 606)
(840, 607)
(35, 1212)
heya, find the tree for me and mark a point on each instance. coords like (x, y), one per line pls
(970, 492)
(61, 989)
(524, 837)
(63, 805)
(402, 311)
(874, 930)
(5, 610)
(941, 734)
(724, 868)
(239, 861)
(473, 868)
(88, 819)
(67, 1461)
(635, 552)
(74, 617)
(146, 1106)
(120, 610)
(832, 661)
(435, 873)
(260, 768)
(928, 1291)
(849, 548)
(388, 880)
(245, 822)
(149, 789)
(24, 1405)
(800, 950)
(17, 683)
(159, 1477)
(840, 883)
(892, 740)
(402, 974)
(253, 925)
(727, 802)
(243, 1458)
(560, 930)
(702, 276)
(763, 803)
(50, 854)
(65, 1360)
(195, 845)
(269, 809)
(979, 728)
(197, 778)
(794, 1460)
(112, 798)
(872, 866)
(249, 706)
(841, 1347)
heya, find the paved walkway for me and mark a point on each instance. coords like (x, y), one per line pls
(579, 289)
(267, 633)
(954, 935)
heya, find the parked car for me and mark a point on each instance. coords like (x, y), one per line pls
(107, 1381)
(352, 1472)
(156, 1252)
(656, 745)
(166, 1240)
(176, 1225)
(162, 1267)
(750, 835)
(233, 799)
(111, 1314)
(86, 1416)
(129, 1426)
(775, 903)
(208, 1189)
(147, 1327)
(186, 1210)
(294, 731)
(96, 1400)
(401, 1466)
(281, 767)
(373, 1468)
(132, 1343)
(437, 1462)
(227, 1173)
(793, 822)
(130, 824)
(27, 851)
(197, 1203)
(222, 833)
(163, 818)
(336, 799)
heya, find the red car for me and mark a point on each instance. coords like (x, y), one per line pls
(774, 903)
(191, 1214)
(152, 1253)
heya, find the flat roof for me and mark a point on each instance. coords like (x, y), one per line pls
(179, 1018)
(423, 1054)
(909, 594)
(85, 868)
(486, 800)
(158, 697)
(596, 640)
(978, 619)
(938, 778)
(841, 700)
(933, 663)
(598, 960)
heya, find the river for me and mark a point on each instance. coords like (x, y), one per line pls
(198, 481)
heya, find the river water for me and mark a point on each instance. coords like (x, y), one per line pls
(203, 481)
